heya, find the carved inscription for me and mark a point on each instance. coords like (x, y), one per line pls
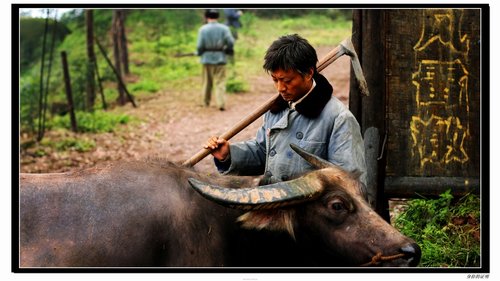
(440, 126)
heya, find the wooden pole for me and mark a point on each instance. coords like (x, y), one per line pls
(40, 104)
(69, 95)
(372, 152)
(47, 83)
(370, 111)
(322, 64)
(104, 105)
(115, 30)
(416, 187)
(90, 89)
(101, 48)
(123, 41)
(233, 131)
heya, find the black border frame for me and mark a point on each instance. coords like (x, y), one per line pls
(484, 139)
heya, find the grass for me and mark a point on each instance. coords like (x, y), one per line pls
(91, 122)
(257, 34)
(447, 230)
(80, 145)
(46, 146)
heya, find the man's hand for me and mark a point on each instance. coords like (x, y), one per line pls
(219, 148)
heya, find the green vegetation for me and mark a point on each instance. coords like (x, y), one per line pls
(91, 122)
(236, 85)
(74, 144)
(31, 37)
(446, 230)
(145, 86)
(155, 36)
(46, 146)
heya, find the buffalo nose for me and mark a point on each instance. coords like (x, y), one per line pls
(412, 253)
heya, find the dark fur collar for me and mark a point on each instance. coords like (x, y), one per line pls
(313, 104)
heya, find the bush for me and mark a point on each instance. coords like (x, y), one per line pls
(446, 230)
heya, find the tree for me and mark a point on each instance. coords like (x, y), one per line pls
(41, 93)
(115, 30)
(123, 42)
(31, 32)
(69, 94)
(90, 87)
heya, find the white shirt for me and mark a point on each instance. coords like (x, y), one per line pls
(292, 104)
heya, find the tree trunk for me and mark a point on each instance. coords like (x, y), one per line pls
(69, 95)
(90, 89)
(51, 53)
(99, 83)
(41, 99)
(122, 99)
(123, 41)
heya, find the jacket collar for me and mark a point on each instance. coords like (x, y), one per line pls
(294, 103)
(312, 105)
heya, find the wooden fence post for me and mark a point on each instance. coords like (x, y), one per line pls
(69, 95)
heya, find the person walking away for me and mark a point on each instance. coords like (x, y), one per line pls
(305, 113)
(233, 20)
(214, 40)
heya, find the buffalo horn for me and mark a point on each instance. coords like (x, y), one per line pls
(320, 163)
(263, 197)
(314, 160)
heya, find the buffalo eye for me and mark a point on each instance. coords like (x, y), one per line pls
(337, 205)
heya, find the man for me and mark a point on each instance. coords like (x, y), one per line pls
(233, 20)
(305, 114)
(214, 39)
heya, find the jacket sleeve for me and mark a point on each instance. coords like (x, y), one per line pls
(229, 39)
(247, 158)
(346, 147)
(199, 43)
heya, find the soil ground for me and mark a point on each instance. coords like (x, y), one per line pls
(172, 126)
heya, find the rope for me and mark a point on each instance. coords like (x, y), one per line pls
(379, 258)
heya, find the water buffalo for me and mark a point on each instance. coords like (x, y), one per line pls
(147, 214)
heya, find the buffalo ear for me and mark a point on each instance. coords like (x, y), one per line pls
(274, 219)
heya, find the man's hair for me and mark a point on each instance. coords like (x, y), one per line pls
(212, 14)
(290, 52)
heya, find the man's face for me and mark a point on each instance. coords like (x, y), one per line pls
(290, 84)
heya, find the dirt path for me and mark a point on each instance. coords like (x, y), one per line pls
(172, 126)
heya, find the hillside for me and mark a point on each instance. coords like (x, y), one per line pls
(167, 122)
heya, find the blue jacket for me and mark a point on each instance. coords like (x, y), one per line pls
(232, 18)
(213, 39)
(320, 124)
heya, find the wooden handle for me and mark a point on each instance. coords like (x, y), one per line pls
(332, 56)
(233, 131)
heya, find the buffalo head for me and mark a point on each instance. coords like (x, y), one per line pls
(324, 209)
